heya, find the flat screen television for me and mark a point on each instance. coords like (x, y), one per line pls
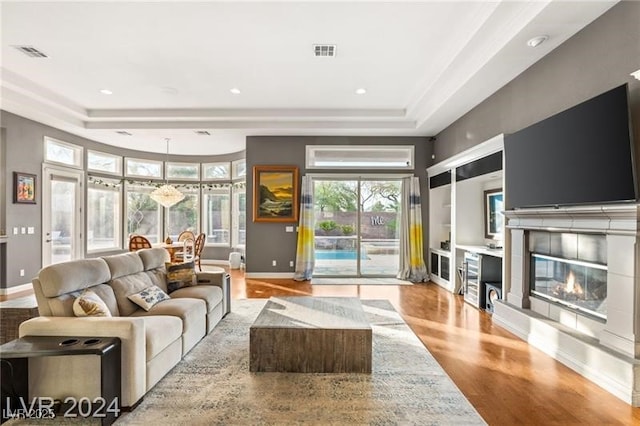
(581, 156)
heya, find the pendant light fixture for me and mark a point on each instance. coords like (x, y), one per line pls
(166, 195)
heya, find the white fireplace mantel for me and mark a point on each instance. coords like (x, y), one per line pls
(620, 219)
(610, 355)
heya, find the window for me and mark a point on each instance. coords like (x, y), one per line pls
(360, 157)
(239, 220)
(56, 151)
(103, 215)
(143, 214)
(239, 168)
(215, 171)
(216, 217)
(143, 168)
(186, 171)
(105, 163)
(184, 216)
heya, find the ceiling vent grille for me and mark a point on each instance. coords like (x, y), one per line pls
(31, 51)
(324, 50)
(202, 133)
(123, 133)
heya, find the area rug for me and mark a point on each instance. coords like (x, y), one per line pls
(359, 281)
(213, 386)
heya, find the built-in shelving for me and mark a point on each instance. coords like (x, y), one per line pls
(456, 214)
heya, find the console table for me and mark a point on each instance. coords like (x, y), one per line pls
(15, 378)
(311, 335)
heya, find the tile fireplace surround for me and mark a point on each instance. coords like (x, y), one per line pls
(605, 351)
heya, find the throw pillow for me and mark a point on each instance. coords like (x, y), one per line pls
(148, 297)
(89, 304)
(180, 275)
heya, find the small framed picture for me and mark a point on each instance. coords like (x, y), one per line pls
(493, 218)
(24, 188)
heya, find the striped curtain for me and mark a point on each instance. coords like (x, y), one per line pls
(412, 266)
(305, 256)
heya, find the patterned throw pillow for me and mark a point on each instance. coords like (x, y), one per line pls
(180, 275)
(89, 304)
(148, 297)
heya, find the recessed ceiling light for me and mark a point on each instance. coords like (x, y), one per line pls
(361, 91)
(106, 92)
(235, 91)
(636, 74)
(537, 41)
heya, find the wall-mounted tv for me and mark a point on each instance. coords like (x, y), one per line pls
(583, 155)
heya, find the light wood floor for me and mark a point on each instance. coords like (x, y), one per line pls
(506, 380)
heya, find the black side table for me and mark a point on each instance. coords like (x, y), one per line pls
(15, 377)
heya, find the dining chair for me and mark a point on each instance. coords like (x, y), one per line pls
(188, 251)
(137, 242)
(186, 234)
(200, 240)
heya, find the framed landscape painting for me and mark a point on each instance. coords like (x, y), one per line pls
(275, 194)
(24, 188)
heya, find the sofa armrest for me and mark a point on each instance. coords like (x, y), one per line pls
(218, 279)
(131, 332)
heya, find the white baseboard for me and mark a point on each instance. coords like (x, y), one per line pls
(15, 289)
(282, 275)
(215, 262)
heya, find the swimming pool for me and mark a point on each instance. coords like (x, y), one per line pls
(339, 254)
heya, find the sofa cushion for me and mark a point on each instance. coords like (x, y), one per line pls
(180, 275)
(148, 297)
(67, 277)
(190, 311)
(89, 304)
(153, 258)
(160, 332)
(126, 285)
(212, 295)
(124, 264)
(62, 306)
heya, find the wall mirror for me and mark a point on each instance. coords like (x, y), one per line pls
(493, 216)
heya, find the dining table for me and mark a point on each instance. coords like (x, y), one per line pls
(172, 248)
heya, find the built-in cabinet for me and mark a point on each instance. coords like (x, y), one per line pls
(465, 221)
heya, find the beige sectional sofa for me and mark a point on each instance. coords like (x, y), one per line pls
(153, 341)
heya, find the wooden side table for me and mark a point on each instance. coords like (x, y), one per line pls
(15, 356)
(13, 313)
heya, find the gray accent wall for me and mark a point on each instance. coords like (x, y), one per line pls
(23, 150)
(596, 59)
(269, 241)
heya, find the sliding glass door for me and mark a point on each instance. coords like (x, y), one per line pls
(357, 226)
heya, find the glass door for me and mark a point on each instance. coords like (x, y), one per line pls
(357, 226)
(336, 225)
(62, 215)
(380, 205)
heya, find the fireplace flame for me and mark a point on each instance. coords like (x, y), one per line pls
(571, 286)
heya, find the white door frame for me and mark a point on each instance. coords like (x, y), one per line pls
(77, 239)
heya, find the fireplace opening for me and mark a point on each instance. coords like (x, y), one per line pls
(577, 285)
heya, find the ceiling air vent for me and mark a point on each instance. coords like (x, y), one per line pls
(123, 133)
(202, 133)
(324, 50)
(31, 51)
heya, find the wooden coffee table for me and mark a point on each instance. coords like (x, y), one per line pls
(311, 335)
